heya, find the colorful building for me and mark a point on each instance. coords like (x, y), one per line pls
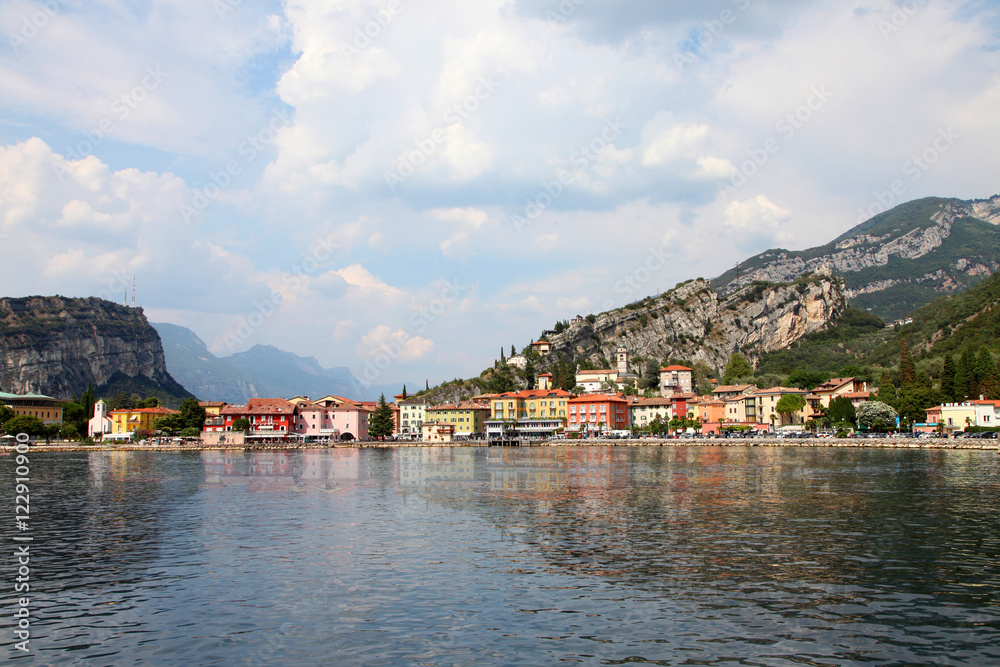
(44, 408)
(597, 413)
(329, 418)
(268, 417)
(129, 421)
(676, 380)
(767, 400)
(528, 413)
(467, 417)
(835, 387)
(644, 411)
(412, 415)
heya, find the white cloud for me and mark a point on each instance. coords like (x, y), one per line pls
(382, 341)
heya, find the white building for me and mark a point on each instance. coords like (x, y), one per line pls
(100, 423)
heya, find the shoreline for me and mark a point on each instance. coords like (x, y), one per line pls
(844, 443)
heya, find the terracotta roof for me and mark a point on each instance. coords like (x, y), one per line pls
(833, 383)
(589, 398)
(159, 410)
(676, 368)
(261, 406)
(730, 388)
(858, 394)
(651, 402)
(781, 390)
(535, 393)
(211, 404)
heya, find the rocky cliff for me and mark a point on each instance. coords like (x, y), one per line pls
(57, 346)
(694, 323)
(897, 260)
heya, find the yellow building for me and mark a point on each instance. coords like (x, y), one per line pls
(467, 417)
(127, 421)
(45, 408)
(531, 403)
(958, 416)
(767, 400)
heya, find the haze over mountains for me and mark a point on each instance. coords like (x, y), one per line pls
(261, 371)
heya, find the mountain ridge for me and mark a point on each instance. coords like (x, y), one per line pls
(896, 261)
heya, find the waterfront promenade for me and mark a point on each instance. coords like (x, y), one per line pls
(851, 443)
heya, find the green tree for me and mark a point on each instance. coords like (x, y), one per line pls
(907, 371)
(381, 424)
(404, 392)
(241, 424)
(189, 432)
(170, 423)
(87, 401)
(788, 405)
(651, 375)
(877, 415)
(886, 389)
(913, 402)
(965, 376)
(150, 402)
(24, 424)
(192, 414)
(986, 375)
(841, 410)
(738, 367)
(6, 414)
(948, 379)
(70, 431)
(73, 414)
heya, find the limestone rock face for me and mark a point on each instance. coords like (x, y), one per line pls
(56, 345)
(897, 260)
(694, 322)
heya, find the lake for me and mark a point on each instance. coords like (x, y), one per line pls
(508, 556)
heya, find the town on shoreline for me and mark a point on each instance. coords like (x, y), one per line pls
(601, 406)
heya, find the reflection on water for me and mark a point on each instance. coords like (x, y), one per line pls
(472, 556)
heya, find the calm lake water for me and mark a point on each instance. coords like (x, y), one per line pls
(542, 556)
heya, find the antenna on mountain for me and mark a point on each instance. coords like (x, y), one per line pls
(133, 290)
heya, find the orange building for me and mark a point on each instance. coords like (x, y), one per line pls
(598, 413)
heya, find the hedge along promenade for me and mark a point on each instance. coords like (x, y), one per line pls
(853, 443)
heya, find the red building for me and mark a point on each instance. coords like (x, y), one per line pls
(268, 417)
(597, 413)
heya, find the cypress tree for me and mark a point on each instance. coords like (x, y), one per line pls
(948, 379)
(886, 389)
(965, 376)
(907, 371)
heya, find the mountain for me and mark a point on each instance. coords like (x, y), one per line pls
(261, 372)
(897, 260)
(285, 374)
(209, 377)
(694, 323)
(951, 324)
(58, 346)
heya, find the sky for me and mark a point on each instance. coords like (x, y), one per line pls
(404, 187)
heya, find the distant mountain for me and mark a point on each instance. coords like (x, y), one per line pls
(285, 374)
(263, 371)
(898, 260)
(209, 377)
(59, 345)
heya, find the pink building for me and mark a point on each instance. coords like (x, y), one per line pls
(330, 418)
